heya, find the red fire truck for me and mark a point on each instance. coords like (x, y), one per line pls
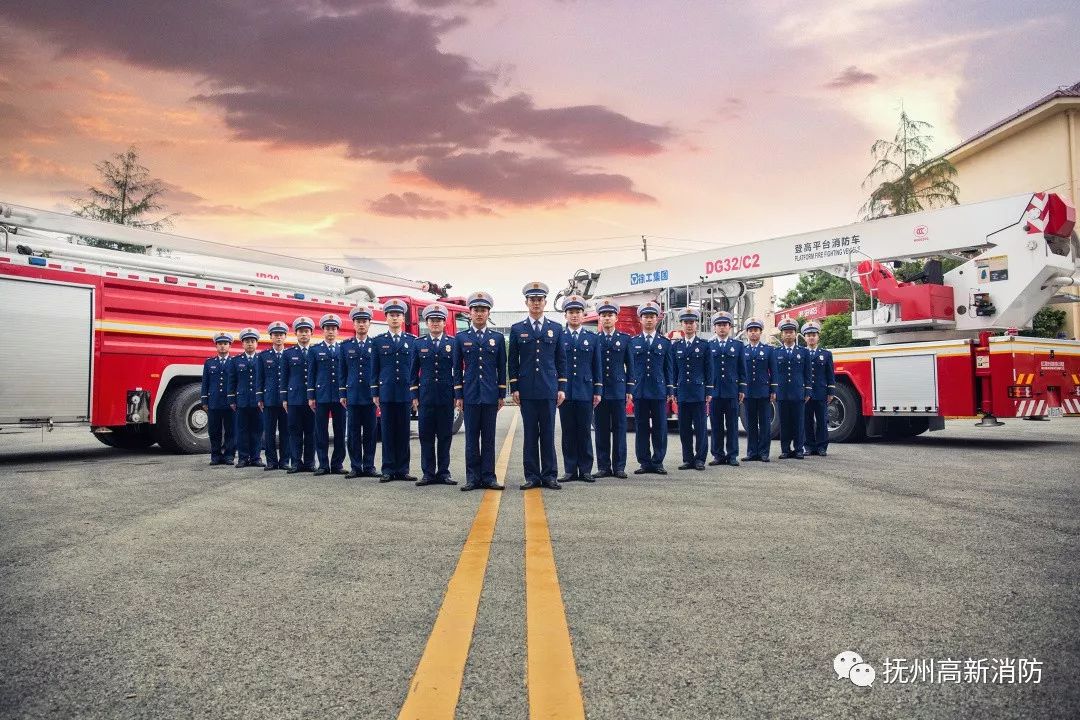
(120, 337)
(935, 346)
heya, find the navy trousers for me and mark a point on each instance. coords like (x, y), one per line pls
(538, 417)
(577, 451)
(222, 428)
(276, 436)
(724, 418)
(248, 433)
(692, 432)
(791, 426)
(610, 436)
(816, 427)
(436, 426)
(758, 427)
(302, 435)
(394, 419)
(325, 414)
(650, 427)
(480, 443)
(361, 432)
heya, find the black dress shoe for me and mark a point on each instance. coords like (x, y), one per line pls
(642, 471)
(293, 470)
(471, 486)
(733, 462)
(552, 485)
(717, 461)
(568, 478)
(370, 474)
(268, 468)
(798, 456)
(425, 481)
(408, 478)
(588, 478)
(385, 478)
(321, 471)
(823, 453)
(621, 474)
(764, 458)
(699, 466)
(750, 458)
(687, 466)
(494, 485)
(256, 463)
(786, 455)
(241, 463)
(814, 452)
(531, 484)
(659, 470)
(338, 471)
(307, 468)
(353, 475)
(446, 480)
(602, 474)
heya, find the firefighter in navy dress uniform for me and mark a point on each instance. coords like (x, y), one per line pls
(693, 383)
(245, 401)
(583, 390)
(791, 373)
(433, 397)
(617, 376)
(653, 387)
(537, 368)
(215, 402)
(729, 389)
(760, 392)
(822, 386)
(356, 395)
(479, 387)
(324, 374)
(391, 375)
(292, 385)
(274, 418)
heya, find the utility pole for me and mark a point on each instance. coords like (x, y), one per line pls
(645, 247)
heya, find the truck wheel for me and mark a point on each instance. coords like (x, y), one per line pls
(844, 416)
(459, 420)
(774, 427)
(126, 438)
(182, 424)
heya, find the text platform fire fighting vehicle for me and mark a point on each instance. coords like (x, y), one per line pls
(934, 350)
(127, 333)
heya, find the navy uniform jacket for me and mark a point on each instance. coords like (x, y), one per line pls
(616, 364)
(791, 373)
(654, 375)
(536, 359)
(822, 378)
(215, 391)
(355, 387)
(292, 380)
(757, 369)
(268, 376)
(242, 386)
(392, 367)
(729, 373)
(433, 371)
(583, 371)
(325, 371)
(480, 367)
(693, 369)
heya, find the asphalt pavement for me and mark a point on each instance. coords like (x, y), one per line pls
(148, 585)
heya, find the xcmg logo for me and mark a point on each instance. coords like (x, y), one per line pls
(267, 276)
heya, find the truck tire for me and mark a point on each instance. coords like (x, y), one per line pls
(774, 427)
(125, 438)
(181, 425)
(844, 415)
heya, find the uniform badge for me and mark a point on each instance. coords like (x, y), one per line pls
(406, 346)
(616, 343)
(551, 333)
(761, 353)
(423, 350)
(491, 342)
(447, 348)
(524, 335)
(467, 343)
(820, 357)
(586, 343)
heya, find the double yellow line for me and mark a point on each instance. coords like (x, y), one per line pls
(554, 687)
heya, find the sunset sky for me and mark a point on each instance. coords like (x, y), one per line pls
(490, 142)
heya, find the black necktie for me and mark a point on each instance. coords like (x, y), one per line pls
(536, 325)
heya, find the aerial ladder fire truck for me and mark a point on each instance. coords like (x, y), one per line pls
(936, 348)
(119, 338)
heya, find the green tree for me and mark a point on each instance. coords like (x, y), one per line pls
(836, 332)
(905, 177)
(126, 196)
(820, 285)
(1048, 322)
